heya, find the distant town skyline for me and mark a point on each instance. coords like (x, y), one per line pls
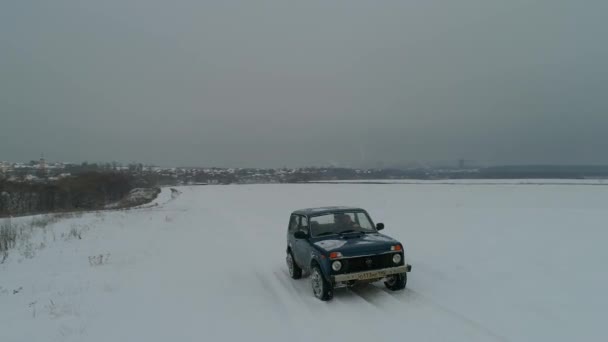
(450, 164)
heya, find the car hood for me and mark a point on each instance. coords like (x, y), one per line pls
(355, 244)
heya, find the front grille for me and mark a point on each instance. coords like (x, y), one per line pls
(367, 263)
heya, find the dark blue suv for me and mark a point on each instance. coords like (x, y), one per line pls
(340, 247)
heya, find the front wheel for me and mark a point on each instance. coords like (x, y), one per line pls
(396, 282)
(321, 288)
(295, 271)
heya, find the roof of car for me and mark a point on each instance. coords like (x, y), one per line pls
(324, 210)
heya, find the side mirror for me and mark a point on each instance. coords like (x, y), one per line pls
(379, 226)
(300, 235)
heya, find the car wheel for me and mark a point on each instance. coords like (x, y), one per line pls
(294, 270)
(321, 288)
(396, 282)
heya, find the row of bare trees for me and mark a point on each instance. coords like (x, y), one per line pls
(86, 191)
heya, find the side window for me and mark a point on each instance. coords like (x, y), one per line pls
(293, 224)
(304, 224)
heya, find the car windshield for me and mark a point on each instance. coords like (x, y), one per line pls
(341, 223)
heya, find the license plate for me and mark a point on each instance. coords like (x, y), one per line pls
(371, 275)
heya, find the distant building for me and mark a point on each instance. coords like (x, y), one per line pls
(42, 167)
(42, 163)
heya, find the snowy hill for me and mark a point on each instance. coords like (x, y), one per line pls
(492, 262)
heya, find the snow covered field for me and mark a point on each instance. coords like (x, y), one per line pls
(539, 181)
(500, 262)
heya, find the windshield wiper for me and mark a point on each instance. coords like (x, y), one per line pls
(348, 231)
(326, 233)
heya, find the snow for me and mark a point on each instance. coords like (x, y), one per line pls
(540, 181)
(499, 262)
(330, 244)
(135, 197)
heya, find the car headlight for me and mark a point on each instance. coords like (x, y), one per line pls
(336, 266)
(397, 258)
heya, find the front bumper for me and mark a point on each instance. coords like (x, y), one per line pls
(373, 274)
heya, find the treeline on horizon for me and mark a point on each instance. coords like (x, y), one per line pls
(544, 171)
(89, 189)
(494, 172)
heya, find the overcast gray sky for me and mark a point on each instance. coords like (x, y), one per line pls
(274, 83)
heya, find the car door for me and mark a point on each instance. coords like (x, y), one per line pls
(303, 248)
(294, 222)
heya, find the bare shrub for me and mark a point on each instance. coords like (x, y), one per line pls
(42, 221)
(97, 260)
(8, 237)
(175, 193)
(75, 233)
(29, 250)
(33, 306)
(19, 236)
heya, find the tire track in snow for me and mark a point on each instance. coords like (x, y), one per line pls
(342, 296)
(378, 296)
(271, 294)
(470, 322)
(364, 295)
(292, 290)
(305, 294)
(355, 296)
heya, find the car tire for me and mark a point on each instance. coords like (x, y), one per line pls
(321, 288)
(295, 272)
(396, 282)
